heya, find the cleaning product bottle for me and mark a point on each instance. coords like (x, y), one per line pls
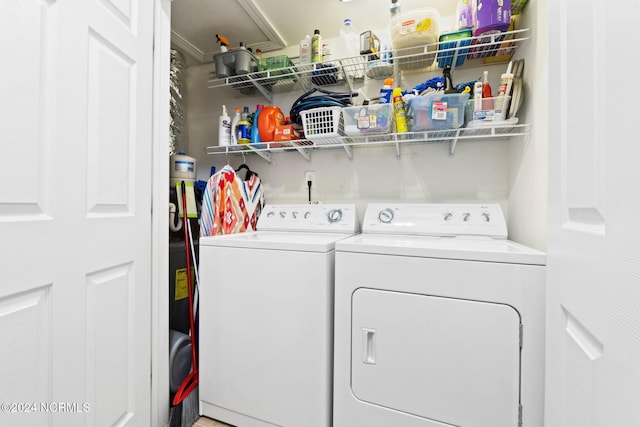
(244, 127)
(316, 47)
(234, 127)
(349, 47)
(487, 97)
(305, 50)
(395, 8)
(385, 92)
(255, 133)
(504, 90)
(399, 111)
(224, 128)
(477, 96)
(224, 42)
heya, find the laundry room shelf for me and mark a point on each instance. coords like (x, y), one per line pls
(470, 52)
(305, 146)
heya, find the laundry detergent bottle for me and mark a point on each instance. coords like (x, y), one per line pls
(270, 117)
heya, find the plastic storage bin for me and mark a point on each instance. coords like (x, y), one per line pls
(322, 123)
(415, 29)
(493, 110)
(235, 62)
(439, 111)
(367, 119)
(275, 63)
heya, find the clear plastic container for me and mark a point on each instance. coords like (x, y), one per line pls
(439, 111)
(367, 119)
(496, 114)
(415, 29)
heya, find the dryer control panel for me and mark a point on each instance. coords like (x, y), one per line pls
(316, 218)
(436, 219)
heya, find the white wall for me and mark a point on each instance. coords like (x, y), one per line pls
(508, 172)
(528, 159)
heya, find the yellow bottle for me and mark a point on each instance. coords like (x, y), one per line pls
(399, 111)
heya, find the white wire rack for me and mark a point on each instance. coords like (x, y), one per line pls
(451, 136)
(475, 51)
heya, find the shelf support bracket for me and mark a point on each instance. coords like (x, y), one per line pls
(304, 152)
(453, 144)
(349, 151)
(266, 155)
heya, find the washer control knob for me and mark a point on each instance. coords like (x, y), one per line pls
(385, 216)
(283, 214)
(448, 216)
(307, 214)
(294, 214)
(270, 214)
(465, 216)
(334, 215)
(486, 217)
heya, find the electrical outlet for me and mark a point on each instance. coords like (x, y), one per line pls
(310, 176)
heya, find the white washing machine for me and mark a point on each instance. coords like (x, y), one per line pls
(439, 321)
(266, 318)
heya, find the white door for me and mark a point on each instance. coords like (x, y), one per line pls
(593, 312)
(75, 212)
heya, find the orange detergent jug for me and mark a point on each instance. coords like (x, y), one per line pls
(270, 117)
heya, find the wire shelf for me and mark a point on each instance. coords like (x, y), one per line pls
(476, 51)
(498, 131)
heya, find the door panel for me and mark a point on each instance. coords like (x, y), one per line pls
(593, 342)
(450, 360)
(75, 211)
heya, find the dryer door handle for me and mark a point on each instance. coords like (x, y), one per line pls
(369, 346)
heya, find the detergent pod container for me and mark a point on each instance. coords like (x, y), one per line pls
(270, 117)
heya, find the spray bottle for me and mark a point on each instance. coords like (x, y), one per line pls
(316, 47)
(224, 43)
(399, 111)
(224, 128)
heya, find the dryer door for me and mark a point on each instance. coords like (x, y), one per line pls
(450, 360)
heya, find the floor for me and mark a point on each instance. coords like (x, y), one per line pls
(208, 422)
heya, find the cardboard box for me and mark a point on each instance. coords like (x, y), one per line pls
(285, 133)
(491, 16)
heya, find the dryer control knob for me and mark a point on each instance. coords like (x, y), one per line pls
(270, 214)
(448, 216)
(486, 217)
(283, 214)
(465, 216)
(307, 214)
(334, 215)
(385, 215)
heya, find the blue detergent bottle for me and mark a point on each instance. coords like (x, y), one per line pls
(255, 133)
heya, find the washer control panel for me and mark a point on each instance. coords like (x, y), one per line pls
(319, 218)
(436, 219)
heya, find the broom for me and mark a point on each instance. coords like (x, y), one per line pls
(185, 409)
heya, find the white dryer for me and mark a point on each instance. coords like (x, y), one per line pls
(266, 318)
(439, 321)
